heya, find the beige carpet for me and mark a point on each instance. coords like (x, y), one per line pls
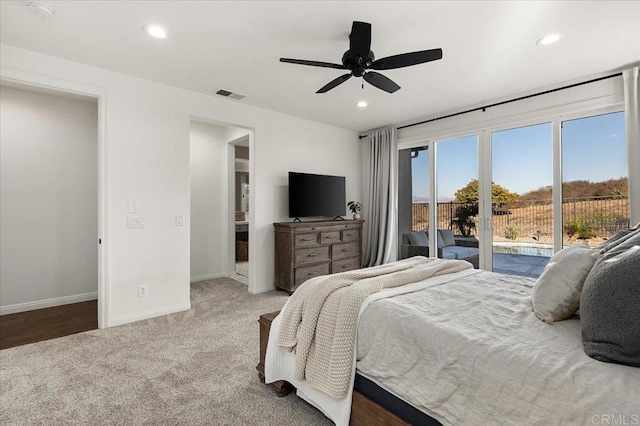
(190, 368)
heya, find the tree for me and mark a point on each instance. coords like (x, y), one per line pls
(499, 194)
(465, 213)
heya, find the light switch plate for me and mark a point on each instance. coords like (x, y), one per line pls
(136, 222)
(133, 207)
(179, 221)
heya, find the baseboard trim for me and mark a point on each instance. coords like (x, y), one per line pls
(47, 303)
(208, 277)
(126, 319)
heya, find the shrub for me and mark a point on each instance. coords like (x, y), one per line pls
(511, 232)
(580, 229)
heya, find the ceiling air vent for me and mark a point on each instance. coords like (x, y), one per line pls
(228, 94)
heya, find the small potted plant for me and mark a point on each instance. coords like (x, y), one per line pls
(355, 208)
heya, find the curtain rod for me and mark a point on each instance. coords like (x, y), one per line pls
(483, 108)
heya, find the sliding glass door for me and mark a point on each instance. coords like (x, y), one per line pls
(521, 199)
(595, 200)
(457, 199)
(517, 195)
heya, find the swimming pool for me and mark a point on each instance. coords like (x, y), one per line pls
(526, 250)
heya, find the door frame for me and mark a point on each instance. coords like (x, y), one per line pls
(555, 116)
(55, 85)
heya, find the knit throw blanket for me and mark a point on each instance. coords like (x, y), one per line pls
(320, 320)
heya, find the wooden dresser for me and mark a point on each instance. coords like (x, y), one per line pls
(308, 249)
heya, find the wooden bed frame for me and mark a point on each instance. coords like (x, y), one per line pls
(363, 411)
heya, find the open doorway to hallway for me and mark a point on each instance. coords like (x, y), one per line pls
(49, 217)
(220, 208)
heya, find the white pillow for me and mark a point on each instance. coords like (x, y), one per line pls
(556, 294)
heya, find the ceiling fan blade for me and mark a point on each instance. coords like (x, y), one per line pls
(407, 59)
(333, 83)
(313, 63)
(360, 39)
(381, 82)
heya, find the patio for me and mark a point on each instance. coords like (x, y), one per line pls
(519, 264)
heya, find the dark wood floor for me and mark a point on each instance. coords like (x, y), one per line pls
(43, 324)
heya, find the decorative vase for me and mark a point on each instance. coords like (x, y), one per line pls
(356, 216)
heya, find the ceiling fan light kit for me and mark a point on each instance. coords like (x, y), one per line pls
(360, 60)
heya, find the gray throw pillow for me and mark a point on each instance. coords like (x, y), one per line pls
(619, 237)
(447, 237)
(610, 305)
(419, 238)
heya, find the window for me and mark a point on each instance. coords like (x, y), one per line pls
(595, 200)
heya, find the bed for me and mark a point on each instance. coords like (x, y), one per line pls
(466, 348)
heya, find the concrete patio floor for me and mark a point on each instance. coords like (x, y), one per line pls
(519, 264)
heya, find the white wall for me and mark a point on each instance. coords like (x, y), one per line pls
(208, 194)
(147, 148)
(49, 200)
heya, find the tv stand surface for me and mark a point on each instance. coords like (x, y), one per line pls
(309, 249)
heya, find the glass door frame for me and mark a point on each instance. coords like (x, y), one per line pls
(485, 176)
(486, 173)
(485, 211)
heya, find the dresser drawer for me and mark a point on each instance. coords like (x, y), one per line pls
(303, 240)
(304, 273)
(351, 235)
(342, 251)
(345, 265)
(330, 237)
(309, 255)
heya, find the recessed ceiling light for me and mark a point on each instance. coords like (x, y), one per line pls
(156, 31)
(362, 104)
(549, 39)
(39, 9)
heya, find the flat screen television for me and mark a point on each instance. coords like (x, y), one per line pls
(316, 195)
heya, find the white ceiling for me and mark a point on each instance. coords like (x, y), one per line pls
(490, 49)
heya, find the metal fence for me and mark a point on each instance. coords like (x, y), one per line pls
(584, 218)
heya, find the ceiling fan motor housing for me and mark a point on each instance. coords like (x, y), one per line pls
(357, 64)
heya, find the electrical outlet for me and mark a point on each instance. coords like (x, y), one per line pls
(142, 290)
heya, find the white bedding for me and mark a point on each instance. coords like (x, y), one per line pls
(466, 348)
(472, 352)
(280, 364)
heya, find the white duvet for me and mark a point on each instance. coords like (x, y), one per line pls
(472, 352)
(467, 349)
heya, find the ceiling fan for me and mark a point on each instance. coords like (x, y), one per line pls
(359, 60)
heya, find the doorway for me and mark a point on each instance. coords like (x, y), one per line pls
(50, 218)
(242, 183)
(219, 201)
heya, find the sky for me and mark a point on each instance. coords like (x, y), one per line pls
(593, 149)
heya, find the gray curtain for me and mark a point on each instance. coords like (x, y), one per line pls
(380, 209)
(632, 120)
